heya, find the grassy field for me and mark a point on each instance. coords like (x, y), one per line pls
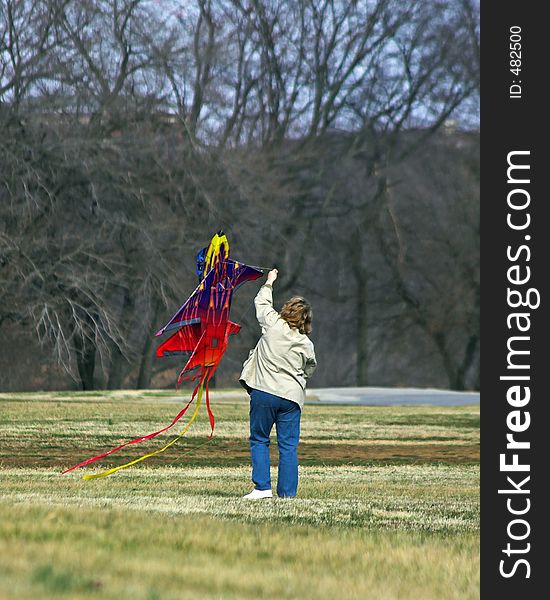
(388, 503)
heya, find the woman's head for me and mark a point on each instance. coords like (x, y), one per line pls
(297, 313)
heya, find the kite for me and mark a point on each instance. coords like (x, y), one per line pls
(201, 326)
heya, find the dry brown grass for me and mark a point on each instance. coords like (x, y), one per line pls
(388, 506)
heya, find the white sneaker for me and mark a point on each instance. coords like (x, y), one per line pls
(258, 495)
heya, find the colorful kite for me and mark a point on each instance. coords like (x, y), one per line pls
(202, 327)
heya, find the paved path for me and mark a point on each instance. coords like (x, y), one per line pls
(368, 396)
(390, 396)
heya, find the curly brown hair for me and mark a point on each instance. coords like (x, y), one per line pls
(298, 314)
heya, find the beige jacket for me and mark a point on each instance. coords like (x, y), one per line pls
(283, 358)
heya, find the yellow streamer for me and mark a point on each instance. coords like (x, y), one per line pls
(133, 462)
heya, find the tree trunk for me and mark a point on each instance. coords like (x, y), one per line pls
(145, 365)
(114, 382)
(469, 356)
(457, 372)
(118, 360)
(146, 362)
(85, 361)
(456, 382)
(362, 359)
(361, 298)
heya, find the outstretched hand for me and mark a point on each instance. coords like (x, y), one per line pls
(272, 275)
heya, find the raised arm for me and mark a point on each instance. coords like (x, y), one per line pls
(265, 312)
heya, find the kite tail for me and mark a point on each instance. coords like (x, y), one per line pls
(209, 410)
(197, 391)
(205, 375)
(133, 462)
(137, 440)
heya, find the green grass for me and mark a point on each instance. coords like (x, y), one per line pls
(388, 504)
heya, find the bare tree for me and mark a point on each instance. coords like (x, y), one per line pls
(130, 134)
(416, 81)
(429, 240)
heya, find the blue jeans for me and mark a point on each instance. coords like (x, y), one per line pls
(266, 410)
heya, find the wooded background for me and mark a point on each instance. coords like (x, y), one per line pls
(337, 140)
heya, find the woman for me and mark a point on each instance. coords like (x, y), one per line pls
(275, 376)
